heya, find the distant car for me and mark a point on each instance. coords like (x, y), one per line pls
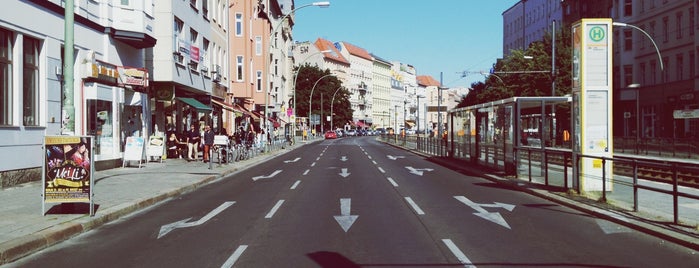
(351, 133)
(330, 134)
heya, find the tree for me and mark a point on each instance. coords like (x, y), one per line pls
(307, 78)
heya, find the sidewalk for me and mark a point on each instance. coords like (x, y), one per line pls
(120, 191)
(117, 192)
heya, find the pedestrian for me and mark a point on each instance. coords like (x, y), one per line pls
(193, 138)
(208, 143)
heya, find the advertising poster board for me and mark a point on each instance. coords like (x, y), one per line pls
(133, 150)
(156, 147)
(67, 171)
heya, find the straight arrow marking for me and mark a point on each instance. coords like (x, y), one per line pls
(268, 176)
(343, 158)
(345, 219)
(344, 173)
(165, 229)
(481, 212)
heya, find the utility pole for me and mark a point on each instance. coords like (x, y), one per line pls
(68, 118)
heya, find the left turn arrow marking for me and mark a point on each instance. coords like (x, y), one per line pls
(165, 229)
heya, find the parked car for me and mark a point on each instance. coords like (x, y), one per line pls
(351, 132)
(330, 135)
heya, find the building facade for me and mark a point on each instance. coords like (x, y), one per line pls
(110, 82)
(359, 83)
(381, 92)
(528, 21)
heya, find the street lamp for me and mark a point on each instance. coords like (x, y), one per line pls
(296, 76)
(310, 98)
(332, 102)
(417, 119)
(271, 45)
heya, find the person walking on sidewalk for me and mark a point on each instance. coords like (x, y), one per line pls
(193, 137)
(208, 143)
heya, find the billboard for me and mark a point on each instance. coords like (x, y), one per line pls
(68, 169)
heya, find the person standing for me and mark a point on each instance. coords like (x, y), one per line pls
(193, 137)
(208, 143)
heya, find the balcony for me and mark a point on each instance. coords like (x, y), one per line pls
(362, 87)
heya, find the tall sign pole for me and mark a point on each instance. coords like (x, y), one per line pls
(592, 102)
(68, 118)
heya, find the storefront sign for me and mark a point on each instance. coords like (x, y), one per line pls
(133, 76)
(133, 150)
(156, 146)
(68, 169)
(102, 72)
(685, 114)
(194, 53)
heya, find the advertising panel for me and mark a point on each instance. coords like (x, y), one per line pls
(68, 169)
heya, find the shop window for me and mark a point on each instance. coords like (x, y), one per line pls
(99, 124)
(30, 79)
(6, 77)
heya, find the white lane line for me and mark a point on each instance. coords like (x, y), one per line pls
(392, 182)
(374, 162)
(415, 206)
(296, 184)
(458, 254)
(369, 156)
(306, 172)
(274, 209)
(233, 258)
(318, 159)
(381, 169)
(313, 164)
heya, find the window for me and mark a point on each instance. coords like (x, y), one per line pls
(205, 9)
(692, 65)
(193, 37)
(30, 81)
(678, 24)
(679, 67)
(666, 30)
(238, 24)
(258, 45)
(628, 75)
(628, 40)
(653, 72)
(665, 73)
(643, 40)
(642, 67)
(239, 68)
(193, 4)
(6, 77)
(205, 58)
(178, 42)
(691, 21)
(259, 81)
(628, 8)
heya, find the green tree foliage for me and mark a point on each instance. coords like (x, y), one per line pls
(516, 75)
(327, 87)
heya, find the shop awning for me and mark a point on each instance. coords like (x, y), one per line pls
(196, 104)
(227, 106)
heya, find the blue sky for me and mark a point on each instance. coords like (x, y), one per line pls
(447, 36)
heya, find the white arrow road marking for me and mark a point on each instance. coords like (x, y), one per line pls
(292, 161)
(415, 206)
(274, 209)
(343, 158)
(481, 212)
(268, 176)
(345, 219)
(233, 258)
(344, 173)
(394, 157)
(418, 171)
(165, 229)
(458, 253)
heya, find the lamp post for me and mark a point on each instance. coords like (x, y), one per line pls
(296, 76)
(417, 114)
(332, 102)
(310, 98)
(271, 45)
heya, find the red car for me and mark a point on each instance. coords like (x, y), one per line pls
(330, 135)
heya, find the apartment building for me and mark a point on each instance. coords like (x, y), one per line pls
(359, 83)
(528, 21)
(380, 92)
(109, 95)
(189, 65)
(656, 90)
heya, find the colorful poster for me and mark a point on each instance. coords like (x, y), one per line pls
(68, 169)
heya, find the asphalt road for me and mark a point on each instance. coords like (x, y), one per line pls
(355, 202)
